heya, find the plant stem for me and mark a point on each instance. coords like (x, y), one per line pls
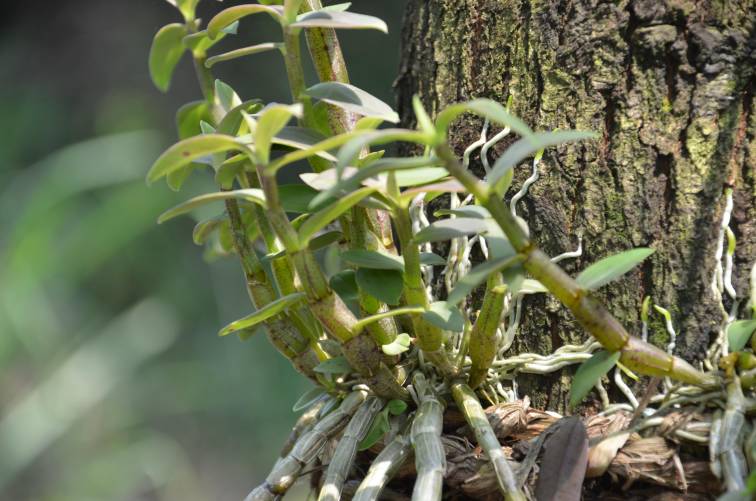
(383, 468)
(483, 336)
(476, 418)
(343, 457)
(430, 459)
(592, 315)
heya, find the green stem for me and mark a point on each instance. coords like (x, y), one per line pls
(476, 418)
(483, 335)
(430, 459)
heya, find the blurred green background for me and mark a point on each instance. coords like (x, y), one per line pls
(113, 384)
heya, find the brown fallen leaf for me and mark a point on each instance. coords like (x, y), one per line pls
(565, 458)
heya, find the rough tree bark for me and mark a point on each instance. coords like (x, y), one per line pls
(669, 87)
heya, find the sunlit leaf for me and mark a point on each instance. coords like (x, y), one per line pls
(301, 138)
(373, 260)
(309, 398)
(337, 7)
(589, 373)
(352, 99)
(268, 311)
(233, 118)
(739, 332)
(165, 53)
(253, 195)
(611, 268)
(324, 217)
(242, 52)
(200, 42)
(352, 148)
(270, 122)
(446, 229)
(398, 346)
(477, 276)
(339, 20)
(327, 144)
(232, 14)
(225, 96)
(385, 285)
(189, 150)
(446, 316)
(526, 147)
(335, 365)
(485, 108)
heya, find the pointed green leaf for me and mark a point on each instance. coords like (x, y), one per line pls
(446, 229)
(373, 259)
(301, 138)
(189, 150)
(335, 365)
(270, 122)
(445, 316)
(477, 276)
(226, 97)
(526, 147)
(473, 211)
(589, 373)
(385, 285)
(200, 42)
(253, 195)
(739, 332)
(352, 148)
(431, 259)
(611, 268)
(337, 7)
(325, 216)
(242, 52)
(296, 197)
(232, 14)
(203, 229)
(345, 285)
(485, 108)
(322, 146)
(419, 176)
(268, 311)
(165, 53)
(400, 344)
(352, 99)
(339, 20)
(424, 121)
(309, 398)
(377, 430)
(233, 118)
(189, 116)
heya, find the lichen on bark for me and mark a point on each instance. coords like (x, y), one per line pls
(669, 88)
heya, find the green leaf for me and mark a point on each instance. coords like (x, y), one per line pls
(187, 8)
(272, 119)
(446, 316)
(352, 148)
(485, 108)
(446, 229)
(373, 259)
(345, 285)
(396, 407)
(325, 216)
(589, 373)
(376, 431)
(337, 7)
(308, 398)
(189, 150)
(232, 14)
(352, 178)
(526, 147)
(242, 52)
(165, 53)
(226, 97)
(322, 146)
(335, 365)
(200, 42)
(203, 229)
(477, 276)
(352, 99)
(189, 116)
(253, 195)
(400, 344)
(739, 332)
(385, 285)
(301, 138)
(611, 268)
(296, 197)
(424, 121)
(339, 20)
(268, 311)
(473, 211)
(431, 259)
(419, 176)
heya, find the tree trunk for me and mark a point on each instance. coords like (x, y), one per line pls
(669, 88)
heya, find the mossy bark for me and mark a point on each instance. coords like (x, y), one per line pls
(667, 85)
